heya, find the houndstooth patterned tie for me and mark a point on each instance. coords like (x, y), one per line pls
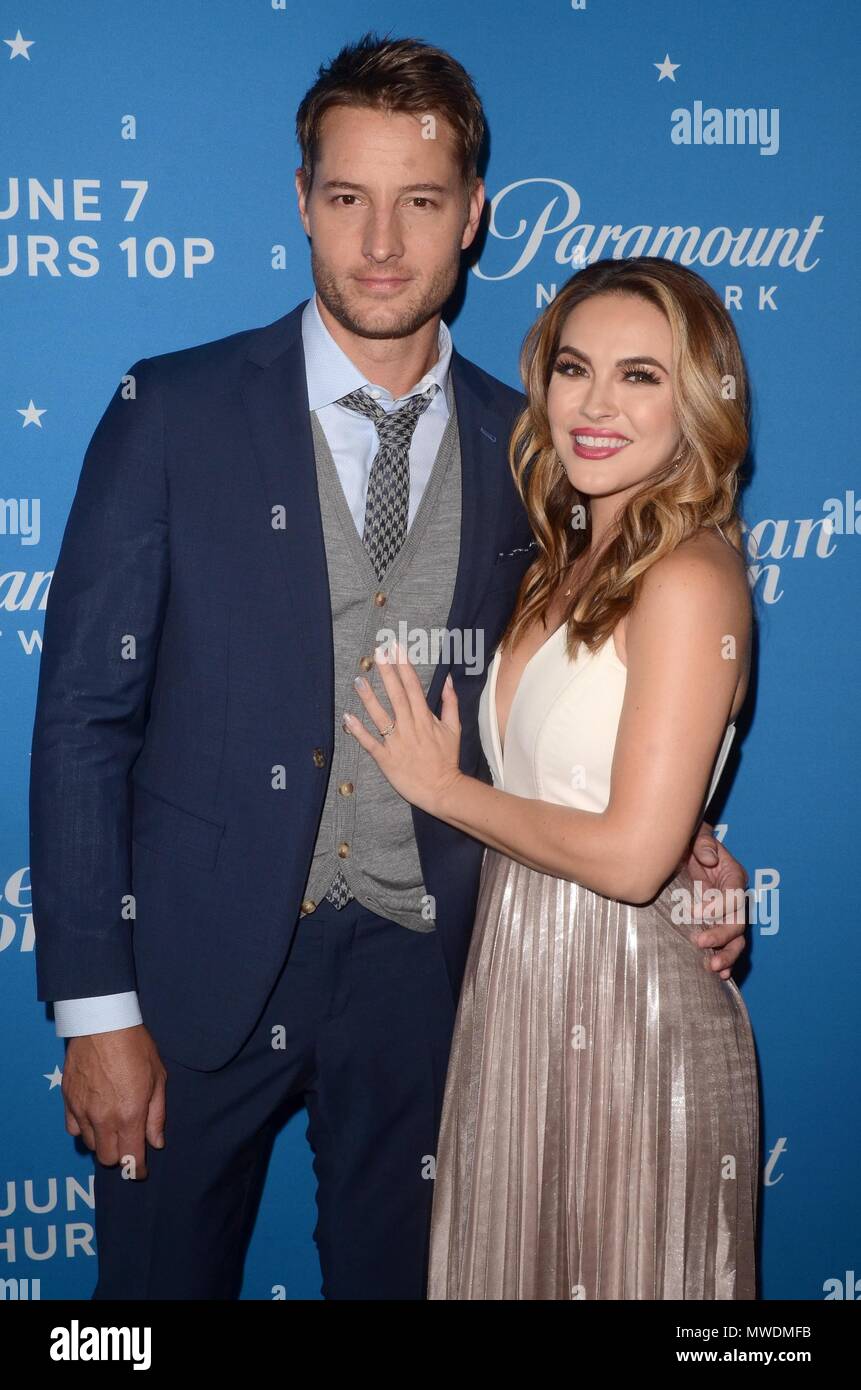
(388, 498)
(340, 892)
(386, 506)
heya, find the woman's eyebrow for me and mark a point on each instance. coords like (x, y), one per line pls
(622, 362)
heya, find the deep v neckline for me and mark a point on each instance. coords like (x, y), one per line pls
(500, 751)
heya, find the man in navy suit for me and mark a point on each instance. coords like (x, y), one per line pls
(188, 783)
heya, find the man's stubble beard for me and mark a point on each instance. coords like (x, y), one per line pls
(408, 320)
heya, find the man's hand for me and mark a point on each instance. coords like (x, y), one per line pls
(712, 866)
(114, 1093)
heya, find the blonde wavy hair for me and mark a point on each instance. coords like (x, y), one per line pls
(711, 401)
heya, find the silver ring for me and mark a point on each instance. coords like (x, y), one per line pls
(384, 733)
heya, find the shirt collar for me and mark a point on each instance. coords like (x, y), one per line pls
(331, 374)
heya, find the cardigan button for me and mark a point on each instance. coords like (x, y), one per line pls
(343, 850)
(346, 789)
(379, 598)
(366, 663)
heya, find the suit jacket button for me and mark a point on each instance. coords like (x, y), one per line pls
(308, 905)
(366, 663)
(319, 757)
(344, 849)
(346, 788)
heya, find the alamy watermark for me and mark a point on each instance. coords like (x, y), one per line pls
(430, 646)
(761, 902)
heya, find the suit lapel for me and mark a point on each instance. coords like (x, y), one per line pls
(275, 395)
(483, 436)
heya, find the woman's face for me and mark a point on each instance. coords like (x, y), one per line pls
(611, 382)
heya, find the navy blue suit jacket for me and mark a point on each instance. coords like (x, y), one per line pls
(187, 651)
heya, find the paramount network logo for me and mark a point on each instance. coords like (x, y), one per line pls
(516, 216)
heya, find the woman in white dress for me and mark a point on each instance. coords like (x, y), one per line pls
(599, 1134)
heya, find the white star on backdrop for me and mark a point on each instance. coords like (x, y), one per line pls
(666, 68)
(32, 416)
(55, 1077)
(19, 46)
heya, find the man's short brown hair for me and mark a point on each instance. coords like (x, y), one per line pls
(394, 75)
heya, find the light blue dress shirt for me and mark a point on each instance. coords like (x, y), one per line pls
(352, 437)
(353, 440)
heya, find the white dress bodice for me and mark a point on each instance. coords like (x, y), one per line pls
(562, 726)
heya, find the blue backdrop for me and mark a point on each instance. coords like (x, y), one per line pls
(147, 204)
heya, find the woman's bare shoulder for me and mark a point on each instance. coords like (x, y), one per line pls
(704, 569)
(705, 563)
(699, 586)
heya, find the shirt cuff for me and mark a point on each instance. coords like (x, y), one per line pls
(103, 1013)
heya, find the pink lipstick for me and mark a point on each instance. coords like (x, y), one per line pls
(598, 444)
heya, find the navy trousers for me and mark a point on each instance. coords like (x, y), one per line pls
(367, 1014)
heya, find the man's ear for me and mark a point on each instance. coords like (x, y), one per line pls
(302, 197)
(476, 207)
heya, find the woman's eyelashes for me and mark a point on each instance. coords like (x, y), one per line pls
(564, 366)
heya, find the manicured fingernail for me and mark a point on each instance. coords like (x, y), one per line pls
(347, 720)
(380, 654)
(360, 683)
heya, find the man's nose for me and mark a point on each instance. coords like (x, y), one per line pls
(383, 236)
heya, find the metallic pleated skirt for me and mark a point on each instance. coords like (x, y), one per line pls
(600, 1126)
